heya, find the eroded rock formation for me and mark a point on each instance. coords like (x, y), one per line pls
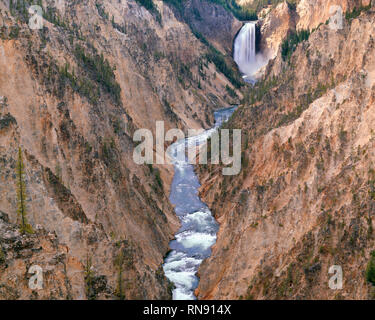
(304, 200)
(72, 95)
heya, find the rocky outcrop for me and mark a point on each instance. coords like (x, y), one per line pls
(312, 13)
(275, 27)
(276, 23)
(304, 200)
(214, 22)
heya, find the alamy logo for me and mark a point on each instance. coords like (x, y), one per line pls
(336, 20)
(335, 282)
(36, 19)
(192, 149)
(36, 280)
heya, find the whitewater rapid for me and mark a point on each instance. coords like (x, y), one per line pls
(192, 243)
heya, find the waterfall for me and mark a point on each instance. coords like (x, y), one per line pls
(245, 51)
(244, 45)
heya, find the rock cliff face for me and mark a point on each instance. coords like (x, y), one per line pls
(214, 22)
(304, 200)
(312, 13)
(276, 23)
(72, 95)
(274, 27)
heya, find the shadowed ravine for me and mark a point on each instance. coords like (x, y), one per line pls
(198, 230)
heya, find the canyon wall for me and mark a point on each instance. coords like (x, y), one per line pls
(214, 22)
(283, 18)
(312, 13)
(71, 96)
(304, 200)
(274, 27)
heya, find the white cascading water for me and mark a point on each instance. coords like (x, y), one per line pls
(244, 46)
(245, 51)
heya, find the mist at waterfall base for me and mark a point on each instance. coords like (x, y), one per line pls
(192, 243)
(249, 63)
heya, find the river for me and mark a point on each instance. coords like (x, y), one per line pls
(193, 241)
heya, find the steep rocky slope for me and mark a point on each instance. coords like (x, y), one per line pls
(214, 22)
(312, 13)
(275, 26)
(286, 17)
(72, 95)
(304, 200)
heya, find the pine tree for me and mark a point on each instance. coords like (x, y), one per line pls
(89, 278)
(21, 195)
(370, 271)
